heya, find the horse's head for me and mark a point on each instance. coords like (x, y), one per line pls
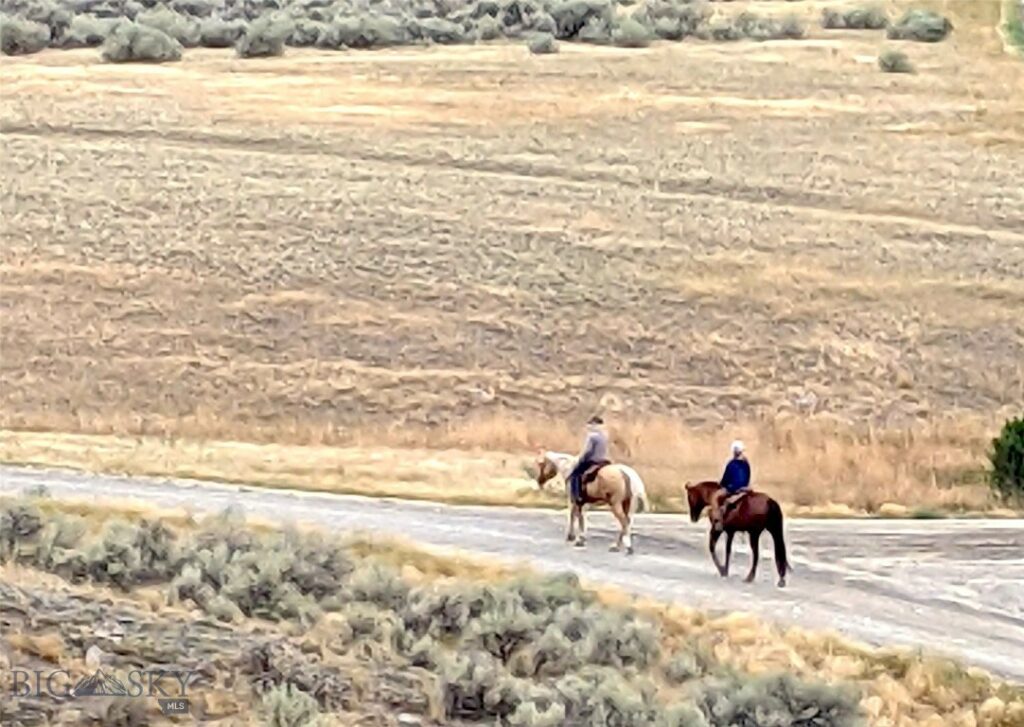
(546, 469)
(697, 497)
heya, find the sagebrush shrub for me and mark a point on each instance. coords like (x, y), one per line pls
(895, 61)
(864, 18)
(87, 31)
(130, 42)
(220, 33)
(22, 37)
(921, 25)
(182, 28)
(631, 33)
(54, 16)
(286, 706)
(1007, 459)
(731, 701)
(572, 17)
(265, 37)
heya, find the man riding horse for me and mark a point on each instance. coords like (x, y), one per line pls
(593, 458)
(734, 484)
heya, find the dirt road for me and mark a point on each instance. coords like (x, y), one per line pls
(950, 586)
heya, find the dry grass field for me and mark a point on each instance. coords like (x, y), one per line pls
(474, 247)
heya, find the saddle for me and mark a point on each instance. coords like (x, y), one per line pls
(731, 501)
(590, 473)
(586, 477)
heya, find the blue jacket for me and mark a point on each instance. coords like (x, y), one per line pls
(736, 476)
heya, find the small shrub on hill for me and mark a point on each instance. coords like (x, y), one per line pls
(220, 33)
(573, 17)
(924, 26)
(437, 30)
(368, 31)
(265, 37)
(631, 33)
(182, 28)
(1007, 458)
(895, 61)
(306, 33)
(760, 28)
(87, 31)
(130, 42)
(777, 699)
(867, 18)
(286, 706)
(543, 43)
(56, 17)
(22, 37)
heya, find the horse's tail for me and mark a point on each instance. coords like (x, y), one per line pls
(637, 490)
(775, 528)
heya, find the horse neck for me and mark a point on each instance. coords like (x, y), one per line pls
(563, 462)
(707, 489)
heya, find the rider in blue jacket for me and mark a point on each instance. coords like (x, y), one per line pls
(735, 479)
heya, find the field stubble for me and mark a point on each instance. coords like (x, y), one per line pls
(367, 246)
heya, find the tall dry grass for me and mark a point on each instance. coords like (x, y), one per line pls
(808, 463)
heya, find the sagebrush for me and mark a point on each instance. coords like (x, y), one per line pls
(526, 651)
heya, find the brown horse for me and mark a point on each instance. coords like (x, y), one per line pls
(753, 514)
(615, 485)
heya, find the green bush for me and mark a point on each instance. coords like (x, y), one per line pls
(369, 31)
(22, 37)
(778, 700)
(895, 61)
(54, 16)
(220, 33)
(265, 37)
(866, 18)
(921, 25)
(129, 42)
(631, 33)
(182, 28)
(286, 706)
(762, 28)
(572, 17)
(1007, 459)
(87, 31)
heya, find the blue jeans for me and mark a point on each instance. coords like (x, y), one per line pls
(576, 482)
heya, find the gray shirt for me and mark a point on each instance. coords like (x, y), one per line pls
(595, 447)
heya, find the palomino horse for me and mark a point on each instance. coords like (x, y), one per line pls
(753, 514)
(616, 485)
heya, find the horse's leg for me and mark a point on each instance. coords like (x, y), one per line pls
(623, 519)
(728, 550)
(755, 539)
(581, 539)
(712, 542)
(570, 534)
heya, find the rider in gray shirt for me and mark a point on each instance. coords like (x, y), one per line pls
(595, 449)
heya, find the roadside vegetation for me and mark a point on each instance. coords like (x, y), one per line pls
(130, 31)
(937, 470)
(327, 629)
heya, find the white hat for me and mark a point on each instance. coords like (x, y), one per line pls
(736, 447)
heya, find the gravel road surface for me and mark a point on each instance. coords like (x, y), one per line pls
(953, 587)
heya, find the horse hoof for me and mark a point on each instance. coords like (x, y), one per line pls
(570, 538)
(629, 550)
(782, 583)
(748, 579)
(613, 549)
(580, 543)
